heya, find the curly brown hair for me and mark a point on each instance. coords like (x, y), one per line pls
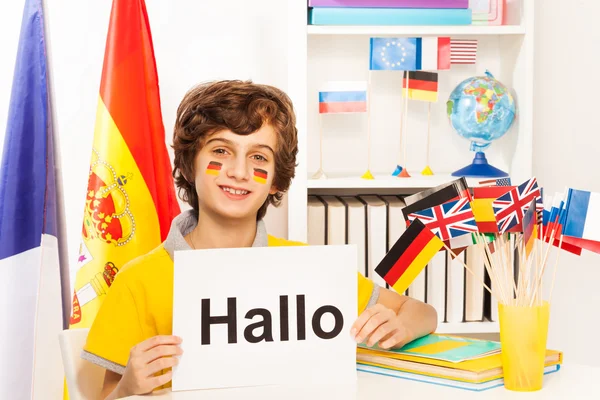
(242, 107)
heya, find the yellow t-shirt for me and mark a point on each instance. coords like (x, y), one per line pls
(139, 305)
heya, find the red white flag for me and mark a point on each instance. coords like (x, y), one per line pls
(463, 51)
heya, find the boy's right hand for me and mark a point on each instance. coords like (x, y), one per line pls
(146, 359)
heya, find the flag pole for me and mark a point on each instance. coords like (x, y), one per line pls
(404, 172)
(398, 169)
(427, 170)
(320, 174)
(368, 174)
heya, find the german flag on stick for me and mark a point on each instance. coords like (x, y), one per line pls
(409, 255)
(422, 85)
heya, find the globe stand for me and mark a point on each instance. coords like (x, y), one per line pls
(480, 168)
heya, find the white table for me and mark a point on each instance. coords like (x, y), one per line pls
(573, 381)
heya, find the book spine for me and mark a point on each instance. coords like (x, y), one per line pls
(379, 16)
(391, 3)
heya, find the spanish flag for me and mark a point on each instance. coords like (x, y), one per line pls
(483, 197)
(409, 255)
(130, 199)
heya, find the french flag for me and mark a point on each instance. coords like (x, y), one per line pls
(582, 221)
(343, 97)
(31, 311)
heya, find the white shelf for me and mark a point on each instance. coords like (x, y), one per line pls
(438, 30)
(385, 182)
(468, 327)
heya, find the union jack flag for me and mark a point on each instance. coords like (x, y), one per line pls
(510, 207)
(448, 220)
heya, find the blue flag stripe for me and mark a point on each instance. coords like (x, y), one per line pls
(576, 211)
(23, 174)
(342, 96)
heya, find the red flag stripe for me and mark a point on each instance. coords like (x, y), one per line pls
(408, 256)
(420, 85)
(130, 70)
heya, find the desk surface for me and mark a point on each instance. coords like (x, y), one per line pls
(571, 382)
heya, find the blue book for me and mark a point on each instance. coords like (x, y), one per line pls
(388, 16)
(453, 383)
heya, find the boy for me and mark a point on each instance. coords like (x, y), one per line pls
(235, 147)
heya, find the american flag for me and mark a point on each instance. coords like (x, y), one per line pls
(448, 220)
(510, 207)
(495, 182)
(463, 51)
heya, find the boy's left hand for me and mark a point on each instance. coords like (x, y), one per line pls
(380, 325)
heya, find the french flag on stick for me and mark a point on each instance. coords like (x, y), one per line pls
(582, 222)
(583, 215)
(343, 97)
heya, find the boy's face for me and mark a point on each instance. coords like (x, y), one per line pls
(234, 173)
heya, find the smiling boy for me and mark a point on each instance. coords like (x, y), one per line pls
(235, 146)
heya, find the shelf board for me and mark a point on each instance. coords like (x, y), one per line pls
(468, 327)
(400, 30)
(385, 182)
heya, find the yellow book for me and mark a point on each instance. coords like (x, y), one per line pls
(446, 356)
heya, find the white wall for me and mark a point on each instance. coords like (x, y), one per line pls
(194, 41)
(566, 153)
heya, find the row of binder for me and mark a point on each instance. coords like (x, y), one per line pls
(373, 223)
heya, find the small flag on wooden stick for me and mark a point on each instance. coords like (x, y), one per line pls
(409, 255)
(420, 85)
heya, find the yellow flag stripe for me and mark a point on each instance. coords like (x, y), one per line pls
(483, 210)
(134, 220)
(415, 267)
(425, 95)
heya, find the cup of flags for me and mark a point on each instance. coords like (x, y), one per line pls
(519, 234)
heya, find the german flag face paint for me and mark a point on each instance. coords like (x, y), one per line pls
(214, 168)
(260, 175)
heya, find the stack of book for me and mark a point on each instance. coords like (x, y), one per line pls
(464, 363)
(389, 12)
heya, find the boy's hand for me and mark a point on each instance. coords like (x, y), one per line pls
(380, 325)
(146, 359)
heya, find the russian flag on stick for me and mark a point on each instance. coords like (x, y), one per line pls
(343, 97)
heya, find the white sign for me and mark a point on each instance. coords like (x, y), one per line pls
(265, 315)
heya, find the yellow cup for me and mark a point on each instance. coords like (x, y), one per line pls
(523, 336)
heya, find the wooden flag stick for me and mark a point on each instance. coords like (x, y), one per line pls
(543, 266)
(428, 131)
(555, 267)
(406, 119)
(369, 122)
(489, 265)
(468, 269)
(539, 258)
(402, 117)
(496, 276)
(320, 142)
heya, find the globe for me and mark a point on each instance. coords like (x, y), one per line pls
(480, 109)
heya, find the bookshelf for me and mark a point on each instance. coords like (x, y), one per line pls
(317, 54)
(416, 30)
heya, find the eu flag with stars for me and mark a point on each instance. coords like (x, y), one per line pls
(30, 287)
(395, 54)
